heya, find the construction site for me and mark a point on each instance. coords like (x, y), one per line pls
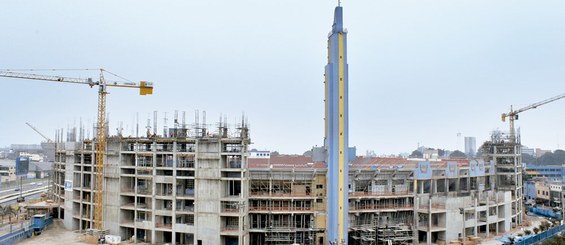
(198, 183)
(203, 187)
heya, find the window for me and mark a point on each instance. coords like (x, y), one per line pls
(319, 186)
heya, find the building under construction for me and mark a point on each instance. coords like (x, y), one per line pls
(199, 186)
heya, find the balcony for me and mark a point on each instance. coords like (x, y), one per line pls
(229, 230)
(185, 163)
(141, 190)
(144, 224)
(382, 207)
(185, 193)
(185, 147)
(184, 228)
(165, 226)
(185, 208)
(379, 194)
(275, 209)
(437, 207)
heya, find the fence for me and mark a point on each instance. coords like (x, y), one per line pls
(13, 233)
(542, 236)
(18, 232)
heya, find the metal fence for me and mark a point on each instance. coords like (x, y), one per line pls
(541, 236)
(12, 233)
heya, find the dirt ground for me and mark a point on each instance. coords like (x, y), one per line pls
(53, 235)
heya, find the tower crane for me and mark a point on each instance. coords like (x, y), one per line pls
(37, 131)
(145, 88)
(513, 114)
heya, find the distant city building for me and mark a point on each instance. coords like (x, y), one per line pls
(551, 172)
(540, 152)
(470, 146)
(543, 191)
(431, 154)
(33, 156)
(25, 147)
(529, 151)
(7, 173)
(259, 154)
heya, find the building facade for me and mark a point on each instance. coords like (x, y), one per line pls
(206, 191)
(190, 190)
(470, 146)
(7, 173)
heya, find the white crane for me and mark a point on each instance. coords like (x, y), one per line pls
(513, 114)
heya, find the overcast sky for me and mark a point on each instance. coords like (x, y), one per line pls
(420, 72)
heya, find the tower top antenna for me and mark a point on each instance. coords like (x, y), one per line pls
(338, 3)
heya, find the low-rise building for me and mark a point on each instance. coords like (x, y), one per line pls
(7, 173)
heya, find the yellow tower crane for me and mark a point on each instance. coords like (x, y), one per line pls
(513, 114)
(145, 88)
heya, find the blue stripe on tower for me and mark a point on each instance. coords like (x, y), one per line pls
(337, 140)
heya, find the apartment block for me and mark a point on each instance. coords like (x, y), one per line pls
(206, 189)
(176, 190)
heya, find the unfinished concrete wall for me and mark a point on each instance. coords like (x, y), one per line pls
(111, 211)
(69, 149)
(208, 191)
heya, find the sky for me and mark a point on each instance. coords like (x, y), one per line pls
(420, 72)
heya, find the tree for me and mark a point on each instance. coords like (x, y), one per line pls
(528, 232)
(536, 230)
(544, 225)
(457, 154)
(2, 213)
(526, 158)
(441, 152)
(10, 212)
(16, 211)
(416, 154)
(480, 152)
(555, 158)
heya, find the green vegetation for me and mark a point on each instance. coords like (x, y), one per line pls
(9, 211)
(551, 158)
(457, 155)
(555, 240)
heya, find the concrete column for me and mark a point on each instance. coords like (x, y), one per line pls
(476, 221)
(446, 181)
(468, 183)
(429, 233)
(420, 186)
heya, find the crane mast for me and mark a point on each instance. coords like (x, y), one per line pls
(100, 149)
(145, 88)
(513, 114)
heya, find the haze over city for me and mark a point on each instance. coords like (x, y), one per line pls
(419, 73)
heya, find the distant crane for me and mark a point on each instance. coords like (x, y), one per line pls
(144, 89)
(513, 114)
(37, 131)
